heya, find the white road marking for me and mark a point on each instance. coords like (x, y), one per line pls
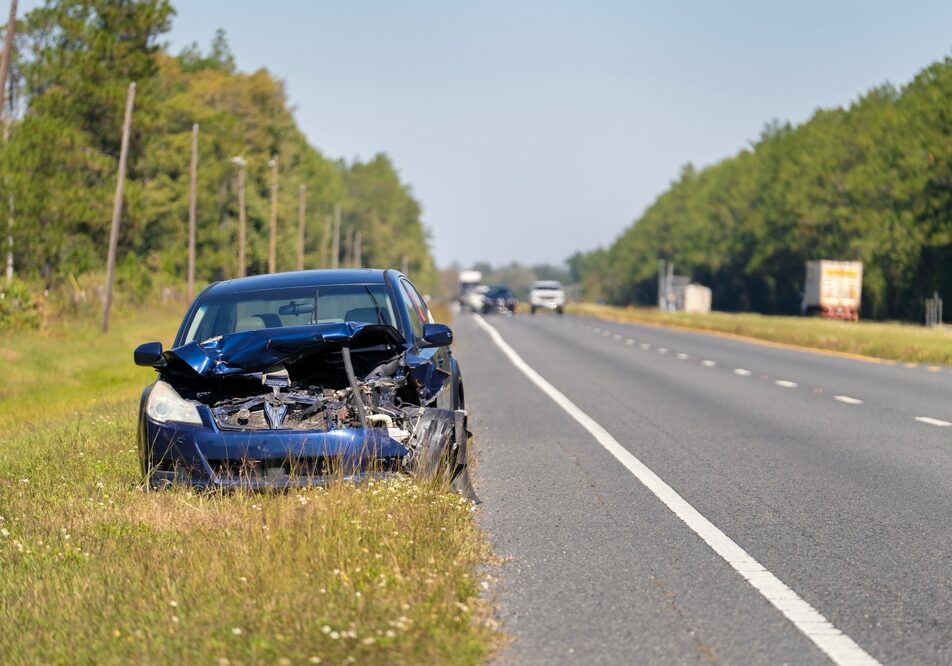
(786, 383)
(629, 341)
(932, 421)
(662, 350)
(616, 337)
(606, 333)
(708, 364)
(645, 345)
(683, 356)
(839, 647)
(848, 400)
(742, 372)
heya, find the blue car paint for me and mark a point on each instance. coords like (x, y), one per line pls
(194, 445)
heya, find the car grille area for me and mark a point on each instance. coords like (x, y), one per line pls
(301, 410)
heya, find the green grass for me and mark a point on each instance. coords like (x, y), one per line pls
(93, 569)
(884, 340)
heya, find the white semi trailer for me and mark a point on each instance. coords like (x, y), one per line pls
(833, 289)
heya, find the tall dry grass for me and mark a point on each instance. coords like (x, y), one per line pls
(886, 340)
(97, 570)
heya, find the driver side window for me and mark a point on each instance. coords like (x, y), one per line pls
(417, 313)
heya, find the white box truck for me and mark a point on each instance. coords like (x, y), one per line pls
(833, 289)
(697, 298)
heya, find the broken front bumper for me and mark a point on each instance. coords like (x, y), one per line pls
(203, 456)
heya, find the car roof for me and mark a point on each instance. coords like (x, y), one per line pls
(313, 278)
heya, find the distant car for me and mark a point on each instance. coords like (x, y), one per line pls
(500, 299)
(301, 378)
(476, 297)
(547, 295)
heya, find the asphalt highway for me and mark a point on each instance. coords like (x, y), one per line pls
(833, 475)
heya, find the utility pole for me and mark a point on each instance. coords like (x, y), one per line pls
(242, 221)
(4, 72)
(349, 248)
(273, 243)
(7, 52)
(358, 251)
(335, 249)
(117, 205)
(326, 242)
(302, 196)
(192, 201)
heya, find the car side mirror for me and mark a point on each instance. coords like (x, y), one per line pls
(436, 335)
(149, 355)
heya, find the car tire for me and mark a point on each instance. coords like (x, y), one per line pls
(437, 456)
(532, 309)
(559, 310)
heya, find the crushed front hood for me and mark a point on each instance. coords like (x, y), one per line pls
(259, 350)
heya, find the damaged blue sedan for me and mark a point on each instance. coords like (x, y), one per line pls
(300, 378)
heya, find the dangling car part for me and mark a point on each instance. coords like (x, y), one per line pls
(301, 378)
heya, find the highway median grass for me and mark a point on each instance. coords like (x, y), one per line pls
(881, 340)
(97, 570)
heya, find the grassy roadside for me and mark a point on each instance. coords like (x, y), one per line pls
(891, 341)
(94, 570)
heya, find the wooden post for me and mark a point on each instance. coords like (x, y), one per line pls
(242, 221)
(349, 248)
(117, 205)
(326, 243)
(192, 206)
(335, 248)
(273, 241)
(302, 208)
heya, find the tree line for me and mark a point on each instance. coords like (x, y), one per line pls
(871, 182)
(72, 64)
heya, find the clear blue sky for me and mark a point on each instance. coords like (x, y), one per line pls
(532, 129)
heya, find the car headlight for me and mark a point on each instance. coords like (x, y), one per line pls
(164, 404)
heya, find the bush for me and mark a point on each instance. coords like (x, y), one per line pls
(19, 307)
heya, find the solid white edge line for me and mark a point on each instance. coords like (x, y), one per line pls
(839, 647)
(848, 400)
(931, 421)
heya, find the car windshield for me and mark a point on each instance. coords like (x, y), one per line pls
(297, 306)
(547, 286)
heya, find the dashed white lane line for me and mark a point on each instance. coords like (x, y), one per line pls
(742, 372)
(708, 364)
(683, 357)
(839, 647)
(848, 400)
(931, 421)
(645, 345)
(662, 350)
(616, 337)
(785, 383)
(629, 341)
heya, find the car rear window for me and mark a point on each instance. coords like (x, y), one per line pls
(298, 306)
